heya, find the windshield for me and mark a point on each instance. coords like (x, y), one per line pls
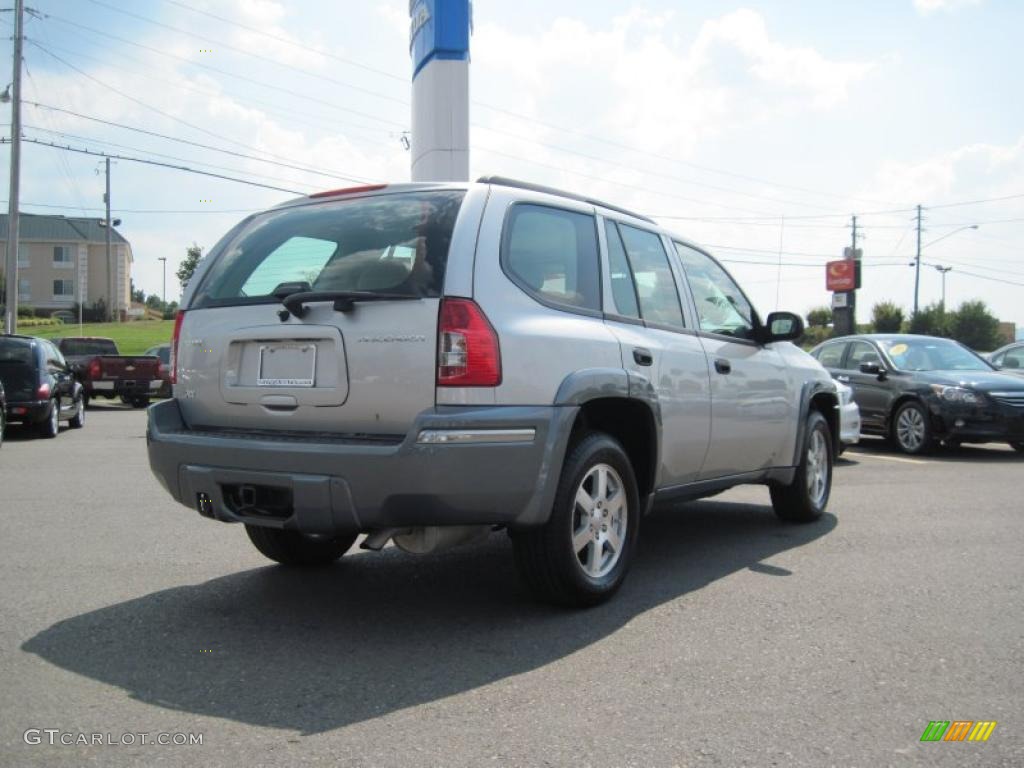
(383, 244)
(81, 347)
(932, 355)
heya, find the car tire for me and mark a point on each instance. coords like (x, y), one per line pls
(86, 401)
(78, 420)
(140, 402)
(572, 560)
(299, 549)
(804, 500)
(50, 427)
(910, 430)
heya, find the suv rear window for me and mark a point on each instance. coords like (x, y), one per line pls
(394, 243)
(16, 352)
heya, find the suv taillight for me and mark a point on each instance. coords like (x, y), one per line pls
(173, 365)
(467, 346)
(43, 393)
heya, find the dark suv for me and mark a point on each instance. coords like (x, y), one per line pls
(41, 389)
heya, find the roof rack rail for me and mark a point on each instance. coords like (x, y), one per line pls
(503, 181)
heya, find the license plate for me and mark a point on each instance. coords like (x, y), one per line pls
(287, 365)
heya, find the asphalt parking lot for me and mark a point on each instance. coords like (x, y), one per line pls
(736, 640)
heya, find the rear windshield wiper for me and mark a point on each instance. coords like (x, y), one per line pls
(344, 301)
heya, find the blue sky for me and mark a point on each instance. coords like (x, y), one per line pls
(759, 124)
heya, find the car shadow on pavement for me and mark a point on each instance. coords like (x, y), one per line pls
(373, 634)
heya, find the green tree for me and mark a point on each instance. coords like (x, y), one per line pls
(819, 317)
(192, 256)
(972, 324)
(886, 317)
(930, 321)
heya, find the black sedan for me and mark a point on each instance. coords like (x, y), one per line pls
(41, 389)
(921, 390)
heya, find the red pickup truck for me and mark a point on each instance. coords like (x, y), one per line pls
(105, 373)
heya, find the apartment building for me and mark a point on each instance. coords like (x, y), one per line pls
(62, 261)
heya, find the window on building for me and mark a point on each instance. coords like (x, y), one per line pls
(23, 260)
(63, 289)
(62, 256)
(24, 289)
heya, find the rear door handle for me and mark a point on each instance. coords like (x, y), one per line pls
(723, 366)
(643, 356)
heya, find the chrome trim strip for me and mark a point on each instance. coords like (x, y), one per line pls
(464, 436)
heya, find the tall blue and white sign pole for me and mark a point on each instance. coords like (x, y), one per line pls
(439, 45)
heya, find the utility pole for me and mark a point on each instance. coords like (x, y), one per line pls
(917, 260)
(163, 293)
(111, 278)
(11, 271)
(944, 271)
(853, 228)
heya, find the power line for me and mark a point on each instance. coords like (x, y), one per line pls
(300, 46)
(321, 121)
(331, 174)
(261, 84)
(153, 162)
(152, 153)
(139, 210)
(244, 52)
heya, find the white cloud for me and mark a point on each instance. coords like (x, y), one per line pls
(926, 7)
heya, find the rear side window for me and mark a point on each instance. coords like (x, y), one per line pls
(831, 355)
(552, 254)
(623, 289)
(384, 244)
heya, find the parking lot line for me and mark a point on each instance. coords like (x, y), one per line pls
(888, 458)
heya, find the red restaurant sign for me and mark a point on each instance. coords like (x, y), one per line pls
(841, 275)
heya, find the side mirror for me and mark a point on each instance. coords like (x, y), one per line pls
(872, 369)
(782, 326)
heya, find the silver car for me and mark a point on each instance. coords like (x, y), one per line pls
(422, 363)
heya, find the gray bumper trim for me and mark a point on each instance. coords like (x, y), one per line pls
(366, 484)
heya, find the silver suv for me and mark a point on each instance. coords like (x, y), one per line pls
(425, 363)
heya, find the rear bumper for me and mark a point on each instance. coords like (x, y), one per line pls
(849, 423)
(29, 411)
(504, 475)
(128, 388)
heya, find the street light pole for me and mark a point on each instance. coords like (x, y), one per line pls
(944, 271)
(917, 261)
(163, 294)
(11, 271)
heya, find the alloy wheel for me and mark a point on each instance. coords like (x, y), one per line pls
(910, 429)
(817, 468)
(600, 520)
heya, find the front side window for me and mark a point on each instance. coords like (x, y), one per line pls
(862, 352)
(831, 355)
(395, 243)
(721, 306)
(655, 284)
(551, 253)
